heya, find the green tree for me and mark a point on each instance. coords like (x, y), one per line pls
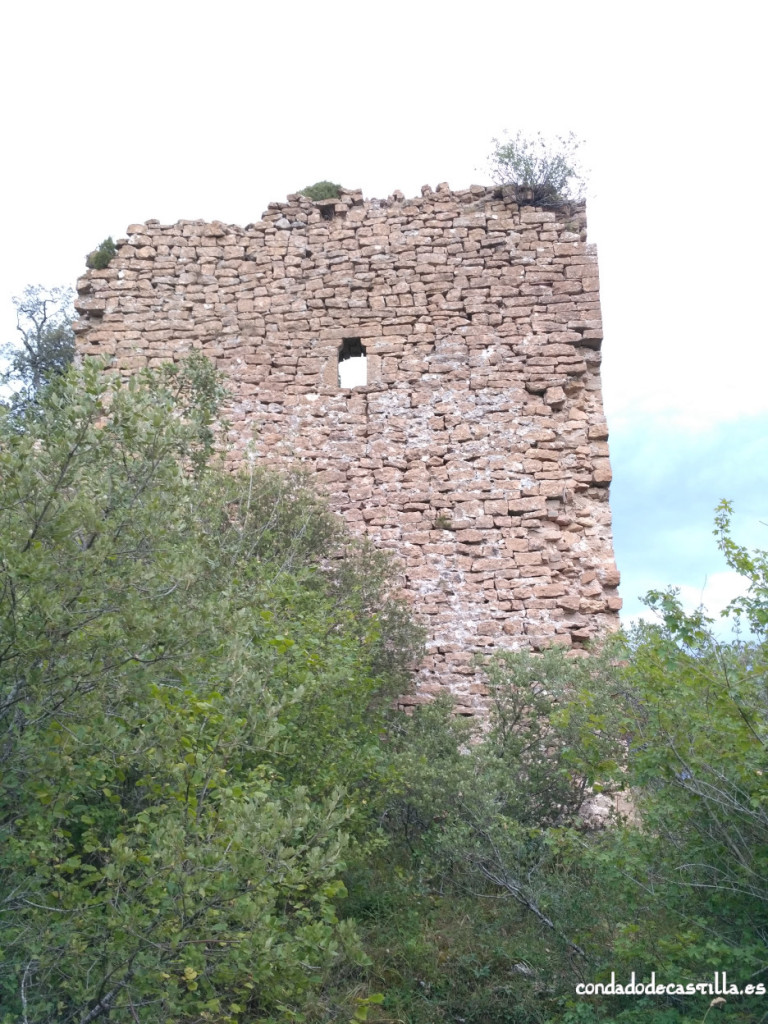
(43, 320)
(696, 719)
(686, 875)
(182, 665)
(753, 567)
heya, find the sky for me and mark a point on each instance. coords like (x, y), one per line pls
(113, 114)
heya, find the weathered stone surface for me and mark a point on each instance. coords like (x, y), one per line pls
(476, 448)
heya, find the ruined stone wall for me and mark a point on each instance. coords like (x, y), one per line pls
(477, 451)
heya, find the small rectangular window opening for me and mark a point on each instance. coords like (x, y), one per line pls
(353, 364)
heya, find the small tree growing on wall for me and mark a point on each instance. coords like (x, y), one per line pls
(101, 256)
(321, 190)
(542, 171)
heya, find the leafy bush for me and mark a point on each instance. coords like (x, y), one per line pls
(321, 190)
(543, 172)
(192, 694)
(100, 258)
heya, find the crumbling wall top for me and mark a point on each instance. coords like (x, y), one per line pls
(474, 447)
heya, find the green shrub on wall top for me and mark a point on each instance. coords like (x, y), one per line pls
(542, 171)
(100, 258)
(321, 190)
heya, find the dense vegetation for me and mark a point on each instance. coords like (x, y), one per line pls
(194, 672)
(210, 812)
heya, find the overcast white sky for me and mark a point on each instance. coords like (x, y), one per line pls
(116, 113)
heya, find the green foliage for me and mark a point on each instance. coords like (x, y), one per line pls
(192, 691)
(697, 724)
(440, 953)
(100, 258)
(753, 566)
(43, 320)
(471, 909)
(321, 190)
(492, 898)
(687, 876)
(209, 812)
(543, 172)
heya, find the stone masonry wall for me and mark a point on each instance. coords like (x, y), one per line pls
(477, 450)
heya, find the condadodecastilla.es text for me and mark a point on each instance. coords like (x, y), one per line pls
(720, 986)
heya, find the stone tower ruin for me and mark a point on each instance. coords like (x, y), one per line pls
(472, 441)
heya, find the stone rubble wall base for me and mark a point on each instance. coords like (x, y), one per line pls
(477, 451)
